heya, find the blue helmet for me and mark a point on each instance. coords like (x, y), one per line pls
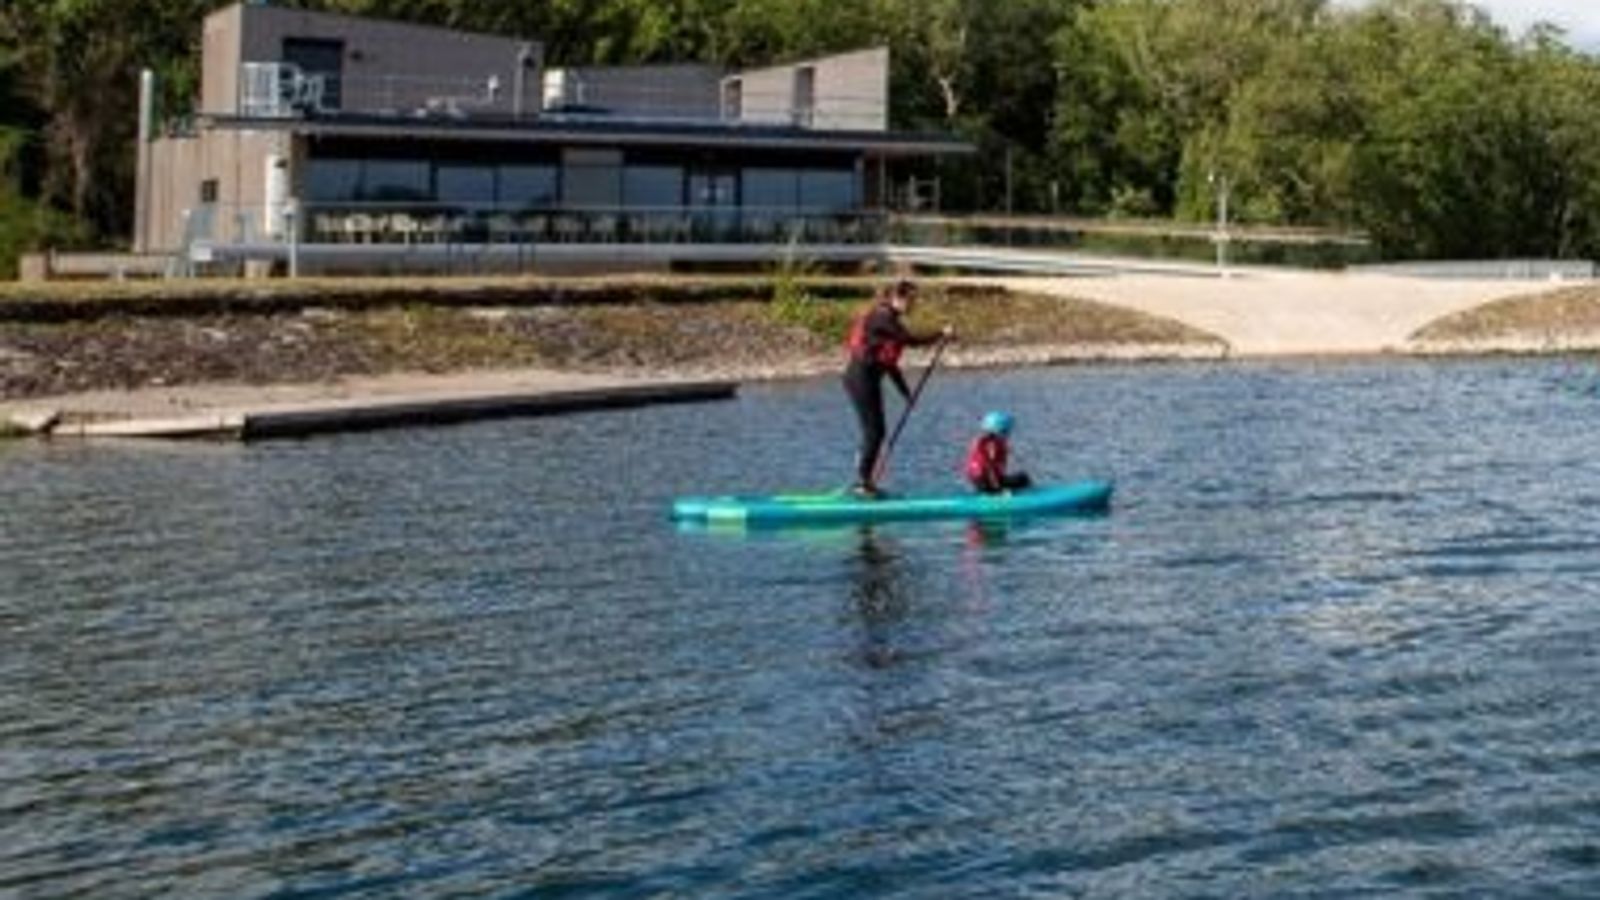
(998, 423)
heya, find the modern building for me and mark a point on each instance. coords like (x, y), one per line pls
(327, 142)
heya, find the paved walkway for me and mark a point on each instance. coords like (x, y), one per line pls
(1295, 313)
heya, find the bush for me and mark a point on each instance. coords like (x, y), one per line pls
(794, 302)
(25, 227)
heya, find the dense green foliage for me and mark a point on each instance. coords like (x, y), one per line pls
(1418, 121)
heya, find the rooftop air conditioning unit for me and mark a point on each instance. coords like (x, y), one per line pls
(562, 89)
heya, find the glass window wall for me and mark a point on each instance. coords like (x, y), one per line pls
(592, 187)
(587, 179)
(465, 186)
(591, 179)
(828, 190)
(529, 187)
(653, 187)
(333, 180)
(771, 190)
(396, 181)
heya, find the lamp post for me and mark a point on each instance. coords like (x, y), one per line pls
(1222, 185)
(291, 223)
(141, 196)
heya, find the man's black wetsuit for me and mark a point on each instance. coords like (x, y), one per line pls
(877, 339)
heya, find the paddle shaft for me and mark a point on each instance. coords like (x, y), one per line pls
(905, 414)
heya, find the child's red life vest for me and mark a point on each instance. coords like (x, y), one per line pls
(885, 353)
(986, 461)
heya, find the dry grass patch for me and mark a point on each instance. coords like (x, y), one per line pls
(73, 301)
(1569, 311)
(320, 344)
(992, 316)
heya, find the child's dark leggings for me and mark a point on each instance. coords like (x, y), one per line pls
(1015, 481)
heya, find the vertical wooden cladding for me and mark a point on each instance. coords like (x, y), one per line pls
(221, 56)
(231, 165)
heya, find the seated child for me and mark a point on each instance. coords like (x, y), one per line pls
(986, 461)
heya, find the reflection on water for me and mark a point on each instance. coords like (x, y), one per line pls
(1336, 639)
(881, 596)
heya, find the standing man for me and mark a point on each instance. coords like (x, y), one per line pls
(877, 338)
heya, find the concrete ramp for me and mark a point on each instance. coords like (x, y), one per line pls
(242, 412)
(1293, 313)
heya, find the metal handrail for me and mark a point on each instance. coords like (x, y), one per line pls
(391, 222)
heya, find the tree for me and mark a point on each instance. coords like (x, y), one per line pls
(1289, 140)
(1148, 84)
(1417, 120)
(1439, 86)
(1561, 157)
(81, 75)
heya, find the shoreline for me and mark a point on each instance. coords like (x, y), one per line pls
(414, 398)
(152, 365)
(226, 365)
(227, 402)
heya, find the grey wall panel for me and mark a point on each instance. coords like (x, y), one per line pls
(768, 96)
(853, 91)
(850, 92)
(400, 68)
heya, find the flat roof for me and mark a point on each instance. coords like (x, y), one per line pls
(577, 129)
(272, 10)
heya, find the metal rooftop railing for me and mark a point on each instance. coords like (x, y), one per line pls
(284, 90)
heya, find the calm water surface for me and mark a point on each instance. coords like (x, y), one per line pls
(1337, 639)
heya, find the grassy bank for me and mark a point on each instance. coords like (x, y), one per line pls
(79, 338)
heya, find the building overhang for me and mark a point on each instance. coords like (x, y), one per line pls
(600, 132)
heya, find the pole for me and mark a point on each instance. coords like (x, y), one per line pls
(292, 223)
(142, 187)
(1223, 186)
(905, 414)
(1222, 217)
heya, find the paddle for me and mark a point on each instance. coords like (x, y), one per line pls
(905, 415)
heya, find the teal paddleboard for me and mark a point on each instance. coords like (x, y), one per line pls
(839, 508)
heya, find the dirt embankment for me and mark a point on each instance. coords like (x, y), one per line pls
(69, 343)
(1566, 319)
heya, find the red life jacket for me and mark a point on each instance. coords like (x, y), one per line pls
(986, 461)
(885, 353)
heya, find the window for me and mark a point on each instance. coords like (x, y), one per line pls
(464, 185)
(828, 190)
(713, 188)
(208, 191)
(652, 187)
(333, 180)
(528, 187)
(805, 96)
(776, 190)
(395, 180)
(591, 179)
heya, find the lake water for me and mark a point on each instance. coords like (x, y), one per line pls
(1337, 638)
